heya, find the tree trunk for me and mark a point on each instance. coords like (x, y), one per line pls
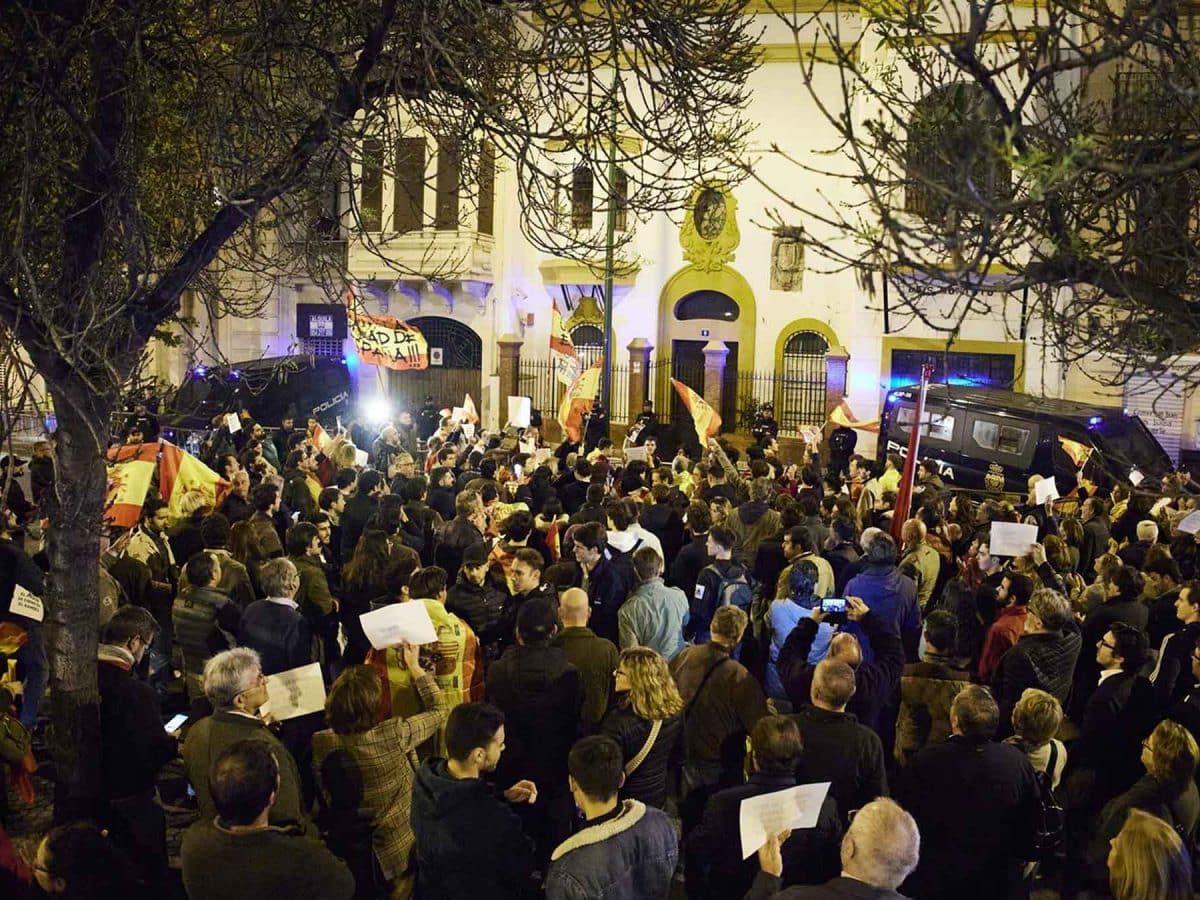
(73, 617)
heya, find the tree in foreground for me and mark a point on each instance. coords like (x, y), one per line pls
(1021, 163)
(152, 148)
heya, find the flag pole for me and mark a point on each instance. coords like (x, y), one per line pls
(610, 239)
(904, 497)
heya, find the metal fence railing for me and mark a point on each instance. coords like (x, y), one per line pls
(538, 380)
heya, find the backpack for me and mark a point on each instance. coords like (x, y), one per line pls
(1051, 823)
(622, 562)
(735, 589)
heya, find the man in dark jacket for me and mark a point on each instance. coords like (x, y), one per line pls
(1095, 536)
(837, 747)
(715, 869)
(17, 568)
(725, 576)
(879, 851)
(574, 493)
(607, 581)
(977, 805)
(441, 492)
(461, 532)
(685, 568)
(206, 620)
(541, 695)
(1043, 658)
(843, 554)
(662, 520)
(275, 626)
(133, 745)
(299, 468)
(1123, 604)
(594, 657)
(359, 509)
(877, 682)
(262, 523)
(468, 842)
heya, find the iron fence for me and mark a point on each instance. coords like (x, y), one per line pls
(797, 393)
(538, 380)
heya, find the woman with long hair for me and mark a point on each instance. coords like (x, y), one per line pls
(245, 547)
(364, 578)
(785, 614)
(1147, 861)
(646, 722)
(364, 770)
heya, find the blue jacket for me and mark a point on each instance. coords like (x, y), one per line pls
(892, 597)
(630, 856)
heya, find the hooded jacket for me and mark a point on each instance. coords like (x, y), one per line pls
(468, 842)
(892, 597)
(753, 523)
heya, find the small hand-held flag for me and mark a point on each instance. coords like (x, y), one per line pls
(579, 399)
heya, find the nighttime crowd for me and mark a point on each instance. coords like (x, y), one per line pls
(628, 648)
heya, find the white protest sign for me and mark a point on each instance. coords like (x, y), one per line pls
(26, 603)
(233, 423)
(1044, 490)
(398, 623)
(457, 413)
(520, 409)
(1011, 538)
(1190, 523)
(468, 430)
(767, 814)
(296, 692)
(635, 454)
(1136, 477)
(361, 457)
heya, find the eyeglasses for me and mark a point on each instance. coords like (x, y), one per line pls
(1104, 643)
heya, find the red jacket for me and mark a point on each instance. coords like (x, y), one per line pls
(1004, 633)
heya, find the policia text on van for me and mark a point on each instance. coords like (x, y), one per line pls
(994, 440)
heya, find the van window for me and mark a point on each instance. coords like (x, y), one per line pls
(939, 427)
(1007, 440)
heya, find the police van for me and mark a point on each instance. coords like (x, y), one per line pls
(994, 440)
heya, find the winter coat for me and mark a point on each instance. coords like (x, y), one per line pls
(927, 689)
(648, 782)
(841, 750)
(752, 524)
(1044, 661)
(893, 598)
(684, 569)
(469, 842)
(654, 616)
(596, 659)
(630, 856)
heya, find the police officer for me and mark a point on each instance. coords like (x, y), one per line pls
(597, 427)
(646, 424)
(765, 426)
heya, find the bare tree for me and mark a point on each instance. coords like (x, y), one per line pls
(153, 147)
(1021, 163)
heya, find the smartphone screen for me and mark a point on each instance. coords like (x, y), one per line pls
(833, 605)
(517, 471)
(175, 723)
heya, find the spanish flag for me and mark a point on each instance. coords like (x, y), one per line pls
(320, 438)
(579, 399)
(130, 471)
(562, 348)
(844, 418)
(708, 423)
(1080, 453)
(180, 474)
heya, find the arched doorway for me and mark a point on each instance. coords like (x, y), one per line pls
(802, 381)
(459, 372)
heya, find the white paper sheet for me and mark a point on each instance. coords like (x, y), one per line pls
(767, 814)
(233, 423)
(468, 430)
(1136, 477)
(398, 622)
(26, 603)
(296, 692)
(520, 410)
(1190, 523)
(1012, 538)
(1044, 490)
(361, 458)
(633, 454)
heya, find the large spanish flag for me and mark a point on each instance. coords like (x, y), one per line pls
(707, 422)
(180, 473)
(130, 471)
(579, 399)
(562, 348)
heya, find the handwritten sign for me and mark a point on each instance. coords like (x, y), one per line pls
(398, 623)
(28, 604)
(796, 807)
(233, 423)
(389, 342)
(296, 692)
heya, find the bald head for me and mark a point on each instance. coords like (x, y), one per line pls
(845, 648)
(573, 608)
(913, 532)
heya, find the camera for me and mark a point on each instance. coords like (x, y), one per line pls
(834, 609)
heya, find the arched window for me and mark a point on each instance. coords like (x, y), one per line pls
(461, 347)
(589, 343)
(802, 396)
(955, 161)
(707, 305)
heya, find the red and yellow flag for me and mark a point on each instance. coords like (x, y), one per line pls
(562, 348)
(320, 438)
(130, 471)
(1079, 452)
(180, 474)
(579, 399)
(386, 341)
(707, 422)
(843, 417)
